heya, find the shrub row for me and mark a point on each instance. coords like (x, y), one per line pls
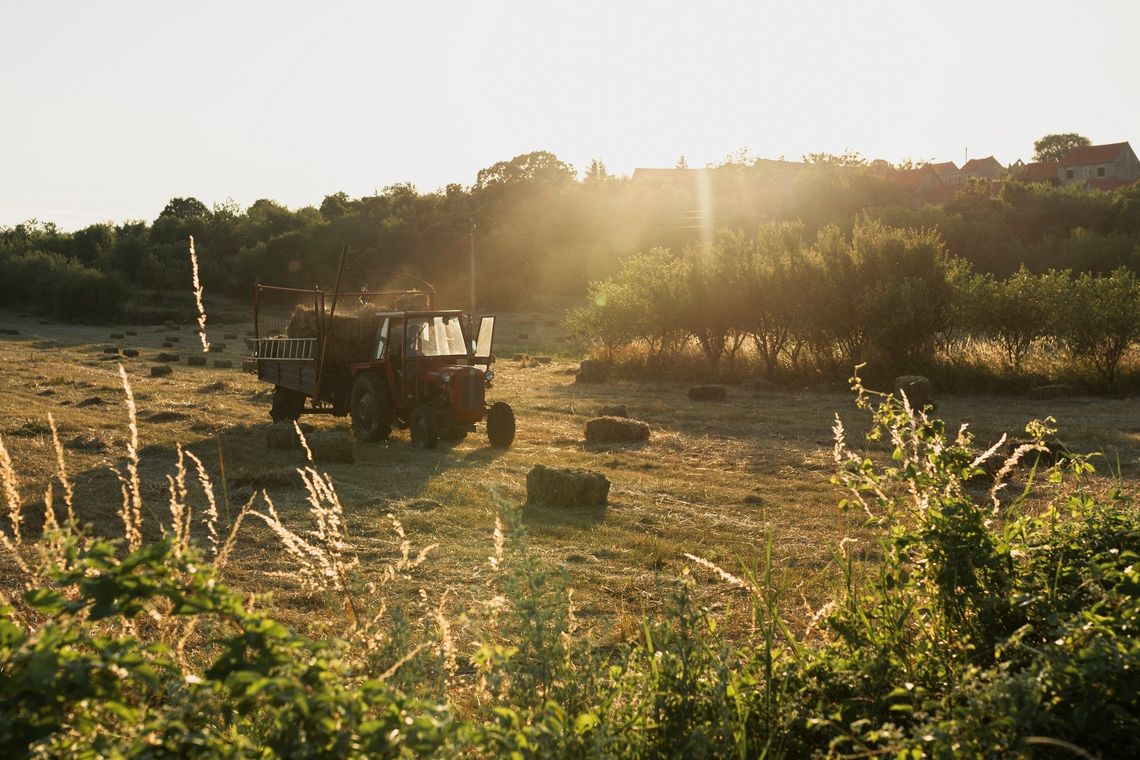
(887, 295)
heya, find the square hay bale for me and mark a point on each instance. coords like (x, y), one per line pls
(616, 430)
(281, 436)
(616, 410)
(165, 357)
(592, 371)
(572, 488)
(332, 446)
(117, 336)
(130, 353)
(708, 393)
(161, 370)
(217, 347)
(223, 363)
(230, 336)
(917, 389)
(757, 385)
(1057, 390)
(196, 361)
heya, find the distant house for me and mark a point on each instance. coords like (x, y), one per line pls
(982, 168)
(1041, 171)
(920, 182)
(1101, 167)
(948, 172)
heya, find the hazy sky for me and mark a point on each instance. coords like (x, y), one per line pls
(111, 108)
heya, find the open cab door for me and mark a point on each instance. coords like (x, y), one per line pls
(484, 341)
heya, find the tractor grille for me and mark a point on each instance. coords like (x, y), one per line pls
(471, 391)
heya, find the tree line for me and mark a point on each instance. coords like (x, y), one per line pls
(891, 296)
(540, 227)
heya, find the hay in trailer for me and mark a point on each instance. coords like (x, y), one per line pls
(616, 430)
(708, 393)
(349, 336)
(551, 487)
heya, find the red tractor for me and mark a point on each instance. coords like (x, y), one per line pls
(387, 358)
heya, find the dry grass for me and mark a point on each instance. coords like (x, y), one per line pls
(715, 481)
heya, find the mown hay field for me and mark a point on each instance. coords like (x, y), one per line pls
(719, 480)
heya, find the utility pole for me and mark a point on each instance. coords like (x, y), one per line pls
(471, 237)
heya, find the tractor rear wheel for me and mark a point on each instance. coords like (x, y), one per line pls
(371, 408)
(424, 428)
(287, 404)
(500, 425)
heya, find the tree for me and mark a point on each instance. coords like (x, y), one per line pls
(1100, 320)
(1054, 147)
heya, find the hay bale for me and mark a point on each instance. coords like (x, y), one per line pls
(130, 332)
(332, 446)
(350, 338)
(592, 371)
(230, 336)
(616, 430)
(617, 410)
(281, 436)
(551, 487)
(110, 349)
(708, 393)
(223, 363)
(217, 347)
(917, 389)
(1056, 390)
(249, 365)
(131, 353)
(117, 336)
(196, 361)
(757, 385)
(543, 359)
(167, 344)
(519, 358)
(161, 370)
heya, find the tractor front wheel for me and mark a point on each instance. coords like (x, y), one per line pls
(424, 428)
(287, 404)
(371, 408)
(500, 425)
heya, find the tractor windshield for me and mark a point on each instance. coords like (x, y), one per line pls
(435, 336)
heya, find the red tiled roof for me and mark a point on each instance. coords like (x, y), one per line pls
(977, 164)
(1042, 171)
(946, 167)
(1093, 154)
(912, 178)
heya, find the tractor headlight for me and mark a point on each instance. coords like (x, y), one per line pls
(489, 375)
(445, 377)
